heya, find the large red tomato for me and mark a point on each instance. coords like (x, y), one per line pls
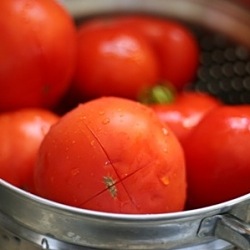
(21, 134)
(113, 61)
(185, 112)
(174, 44)
(217, 157)
(113, 155)
(37, 53)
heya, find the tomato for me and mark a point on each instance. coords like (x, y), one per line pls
(21, 134)
(217, 157)
(113, 61)
(37, 53)
(175, 45)
(102, 156)
(185, 112)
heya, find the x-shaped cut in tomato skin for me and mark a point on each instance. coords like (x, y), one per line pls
(144, 166)
(112, 159)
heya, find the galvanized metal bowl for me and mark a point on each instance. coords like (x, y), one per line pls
(28, 222)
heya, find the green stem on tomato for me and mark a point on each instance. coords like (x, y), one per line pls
(162, 93)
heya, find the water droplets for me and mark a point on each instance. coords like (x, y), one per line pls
(107, 163)
(165, 180)
(105, 121)
(82, 118)
(75, 171)
(165, 131)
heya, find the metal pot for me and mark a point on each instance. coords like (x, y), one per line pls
(229, 17)
(28, 222)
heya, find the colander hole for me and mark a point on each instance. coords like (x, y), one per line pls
(246, 82)
(228, 70)
(237, 84)
(239, 68)
(230, 54)
(242, 53)
(218, 56)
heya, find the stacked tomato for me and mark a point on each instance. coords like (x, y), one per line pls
(74, 130)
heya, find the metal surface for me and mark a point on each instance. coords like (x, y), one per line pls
(47, 224)
(221, 26)
(28, 222)
(222, 16)
(224, 70)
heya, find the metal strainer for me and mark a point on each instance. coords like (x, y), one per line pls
(222, 28)
(28, 222)
(224, 69)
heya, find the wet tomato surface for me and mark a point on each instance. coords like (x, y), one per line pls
(37, 53)
(113, 61)
(185, 112)
(174, 44)
(112, 155)
(217, 157)
(21, 134)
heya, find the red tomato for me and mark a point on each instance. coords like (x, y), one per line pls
(37, 53)
(102, 156)
(185, 112)
(217, 157)
(113, 61)
(175, 45)
(21, 134)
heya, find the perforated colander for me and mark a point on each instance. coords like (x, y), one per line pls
(224, 68)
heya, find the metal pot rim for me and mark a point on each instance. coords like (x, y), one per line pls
(38, 220)
(118, 216)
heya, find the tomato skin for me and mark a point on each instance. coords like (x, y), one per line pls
(217, 157)
(37, 53)
(174, 44)
(185, 112)
(102, 156)
(21, 134)
(113, 61)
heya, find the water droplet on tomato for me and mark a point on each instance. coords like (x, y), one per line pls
(92, 143)
(75, 171)
(107, 163)
(164, 180)
(165, 131)
(106, 121)
(83, 117)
